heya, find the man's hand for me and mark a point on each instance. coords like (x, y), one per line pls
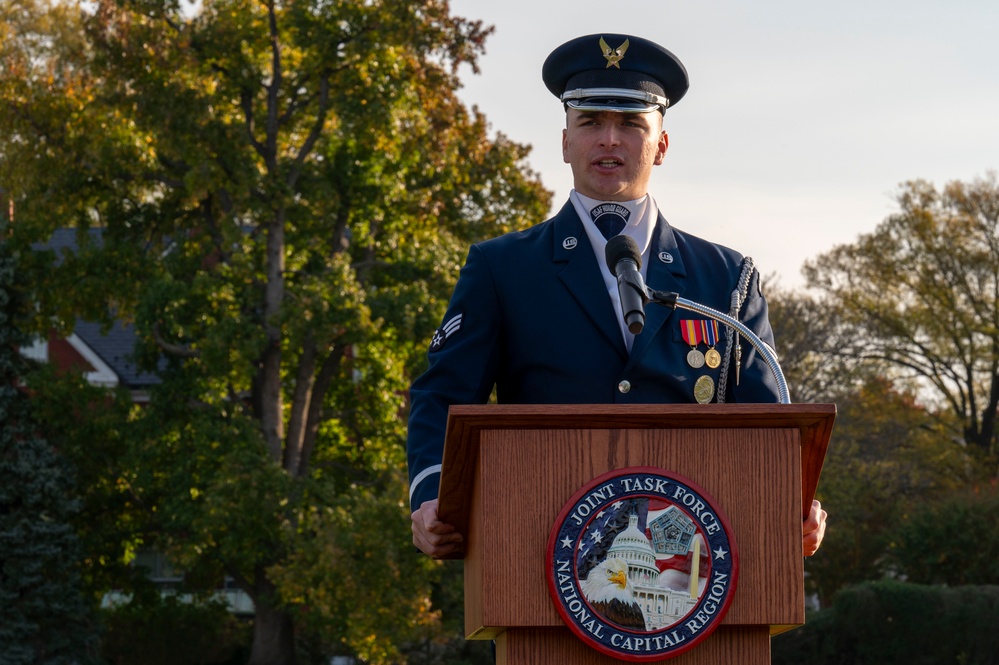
(813, 529)
(431, 535)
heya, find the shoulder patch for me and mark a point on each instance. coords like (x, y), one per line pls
(450, 327)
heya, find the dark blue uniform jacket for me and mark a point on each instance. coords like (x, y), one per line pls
(531, 316)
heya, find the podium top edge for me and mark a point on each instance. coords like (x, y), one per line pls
(516, 416)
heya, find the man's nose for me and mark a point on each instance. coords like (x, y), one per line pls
(610, 135)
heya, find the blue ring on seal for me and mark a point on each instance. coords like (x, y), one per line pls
(619, 529)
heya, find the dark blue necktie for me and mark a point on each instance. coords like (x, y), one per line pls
(610, 218)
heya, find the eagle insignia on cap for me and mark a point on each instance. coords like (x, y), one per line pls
(613, 55)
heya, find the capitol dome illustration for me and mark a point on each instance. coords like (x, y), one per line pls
(662, 603)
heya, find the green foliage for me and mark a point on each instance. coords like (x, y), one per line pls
(890, 623)
(953, 540)
(44, 617)
(886, 455)
(449, 646)
(278, 196)
(354, 580)
(887, 452)
(89, 424)
(173, 631)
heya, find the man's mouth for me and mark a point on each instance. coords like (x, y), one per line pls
(608, 163)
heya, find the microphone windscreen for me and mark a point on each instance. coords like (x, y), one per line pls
(621, 247)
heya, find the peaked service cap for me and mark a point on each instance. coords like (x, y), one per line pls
(610, 72)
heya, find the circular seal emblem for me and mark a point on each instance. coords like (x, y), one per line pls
(641, 564)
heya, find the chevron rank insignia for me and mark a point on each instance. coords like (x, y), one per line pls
(441, 335)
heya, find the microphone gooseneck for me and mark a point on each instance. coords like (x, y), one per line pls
(625, 260)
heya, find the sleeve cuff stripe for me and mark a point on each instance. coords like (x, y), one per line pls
(421, 476)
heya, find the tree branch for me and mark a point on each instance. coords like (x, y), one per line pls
(246, 103)
(330, 368)
(273, 89)
(301, 402)
(173, 349)
(317, 130)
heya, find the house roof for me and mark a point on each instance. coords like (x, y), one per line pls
(65, 241)
(115, 346)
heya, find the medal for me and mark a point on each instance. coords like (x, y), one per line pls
(711, 357)
(704, 389)
(692, 334)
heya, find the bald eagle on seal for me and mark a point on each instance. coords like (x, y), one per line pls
(609, 593)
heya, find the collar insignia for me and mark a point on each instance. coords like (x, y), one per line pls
(613, 55)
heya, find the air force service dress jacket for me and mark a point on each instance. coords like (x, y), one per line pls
(531, 315)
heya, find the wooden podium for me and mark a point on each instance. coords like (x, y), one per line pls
(509, 469)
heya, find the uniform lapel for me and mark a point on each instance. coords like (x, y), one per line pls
(581, 275)
(665, 272)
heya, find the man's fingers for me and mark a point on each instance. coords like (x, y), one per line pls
(437, 545)
(431, 535)
(813, 529)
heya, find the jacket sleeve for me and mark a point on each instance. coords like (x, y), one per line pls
(464, 356)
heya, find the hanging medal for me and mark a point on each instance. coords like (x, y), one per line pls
(691, 331)
(711, 357)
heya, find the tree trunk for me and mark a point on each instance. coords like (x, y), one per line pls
(273, 637)
(271, 407)
(988, 436)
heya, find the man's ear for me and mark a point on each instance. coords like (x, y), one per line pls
(661, 148)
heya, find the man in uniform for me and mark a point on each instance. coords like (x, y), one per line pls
(535, 314)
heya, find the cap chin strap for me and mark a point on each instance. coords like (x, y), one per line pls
(651, 100)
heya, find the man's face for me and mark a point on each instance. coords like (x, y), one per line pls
(611, 153)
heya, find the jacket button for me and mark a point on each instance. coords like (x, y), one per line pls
(624, 387)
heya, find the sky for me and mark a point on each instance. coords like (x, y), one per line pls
(802, 121)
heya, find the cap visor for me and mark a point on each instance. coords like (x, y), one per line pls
(616, 105)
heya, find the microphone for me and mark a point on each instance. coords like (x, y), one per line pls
(624, 261)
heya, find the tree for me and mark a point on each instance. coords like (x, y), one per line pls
(951, 541)
(890, 623)
(283, 193)
(43, 614)
(888, 453)
(921, 294)
(806, 334)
